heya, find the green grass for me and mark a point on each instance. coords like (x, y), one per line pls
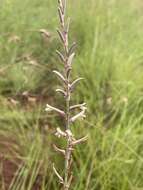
(109, 57)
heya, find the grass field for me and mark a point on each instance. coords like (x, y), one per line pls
(109, 56)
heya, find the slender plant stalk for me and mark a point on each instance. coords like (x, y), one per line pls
(66, 58)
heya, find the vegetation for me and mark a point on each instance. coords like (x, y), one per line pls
(109, 55)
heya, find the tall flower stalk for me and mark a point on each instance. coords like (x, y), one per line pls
(68, 86)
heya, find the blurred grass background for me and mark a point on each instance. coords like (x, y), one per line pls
(109, 57)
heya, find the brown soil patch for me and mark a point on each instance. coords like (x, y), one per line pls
(10, 164)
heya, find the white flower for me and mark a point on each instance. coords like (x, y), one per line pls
(59, 133)
(51, 108)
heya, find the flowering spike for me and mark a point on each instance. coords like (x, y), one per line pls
(66, 57)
